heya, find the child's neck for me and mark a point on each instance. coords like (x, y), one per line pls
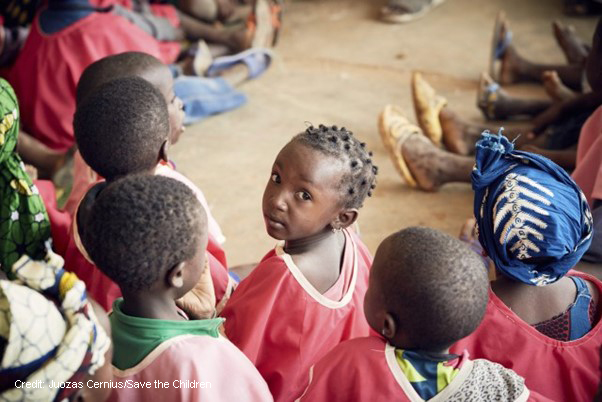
(156, 306)
(149, 171)
(310, 243)
(444, 351)
(319, 258)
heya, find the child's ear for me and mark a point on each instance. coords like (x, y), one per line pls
(175, 276)
(163, 151)
(344, 219)
(389, 327)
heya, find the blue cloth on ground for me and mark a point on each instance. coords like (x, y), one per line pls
(204, 97)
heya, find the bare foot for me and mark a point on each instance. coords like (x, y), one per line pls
(555, 89)
(454, 130)
(510, 67)
(573, 47)
(423, 160)
(510, 60)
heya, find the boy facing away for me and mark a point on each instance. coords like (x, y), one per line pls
(148, 234)
(122, 128)
(427, 290)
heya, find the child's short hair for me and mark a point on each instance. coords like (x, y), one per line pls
(141, 226)
(360, 179)
(121, 126)
(436, 286)
(115, 66)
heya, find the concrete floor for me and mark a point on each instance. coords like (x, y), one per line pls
(336, 64)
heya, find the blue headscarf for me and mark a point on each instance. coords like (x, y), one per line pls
(533, 220)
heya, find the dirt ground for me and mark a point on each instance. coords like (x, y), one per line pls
(337, 64)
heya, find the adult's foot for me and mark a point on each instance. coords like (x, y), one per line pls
(511, 66)
(503, 50)
(492, 99)
(555, 88)
(424, 161)
(573, 47)
(454, 132)
(401, 11)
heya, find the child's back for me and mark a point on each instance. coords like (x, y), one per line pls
(426, 291)
(48, 68)
(306, 296)
(148, 234)
(535, 224)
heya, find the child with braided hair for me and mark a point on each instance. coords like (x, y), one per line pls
(306, 295)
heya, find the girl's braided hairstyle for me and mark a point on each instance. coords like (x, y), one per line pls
(360, 178)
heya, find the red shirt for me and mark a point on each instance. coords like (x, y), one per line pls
(562, 371)
(284, 325)
(47, 70)
(366, 369)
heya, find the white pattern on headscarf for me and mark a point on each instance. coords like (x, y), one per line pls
(517, 222)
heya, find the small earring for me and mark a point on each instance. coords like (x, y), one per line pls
(334, 230)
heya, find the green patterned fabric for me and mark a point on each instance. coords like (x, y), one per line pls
(24, 223)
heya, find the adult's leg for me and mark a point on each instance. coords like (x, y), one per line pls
(460, 137)
(497, 104)
(565, 158)
(573, 47)
(515, 68)
(433, 167)
(555, 88)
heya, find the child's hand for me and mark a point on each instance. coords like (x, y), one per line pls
(199, 303)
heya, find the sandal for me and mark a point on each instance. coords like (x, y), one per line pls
(427, 105)
(394, 130)
(257, 60)
(401, 11)
(488, 94)
(499, 43)
(264, 22)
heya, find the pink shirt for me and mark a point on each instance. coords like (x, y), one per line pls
(561, 371)
(284, 325)
(192, 368)
(588, 173)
